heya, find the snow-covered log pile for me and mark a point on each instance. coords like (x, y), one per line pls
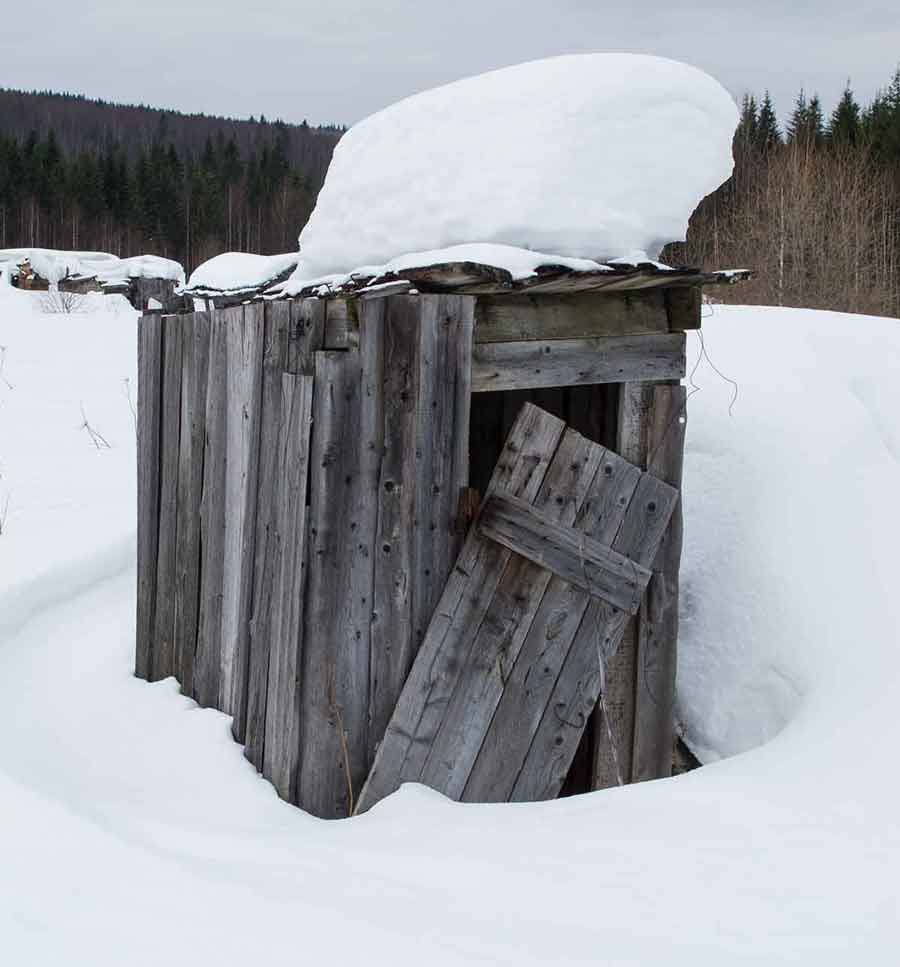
(233, 276)
(53, 266)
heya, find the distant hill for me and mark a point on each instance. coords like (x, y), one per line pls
(82, 173)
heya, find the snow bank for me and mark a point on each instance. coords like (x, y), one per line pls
(586, 155)
(55, 265)
(237, 271)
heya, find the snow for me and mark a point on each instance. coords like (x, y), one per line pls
(54, 265)
(236, 271)
(588, 155)
(519, 262)
(133, 831)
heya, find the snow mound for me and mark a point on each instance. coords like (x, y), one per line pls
(592, 155)
(238, 271)
(55, 265)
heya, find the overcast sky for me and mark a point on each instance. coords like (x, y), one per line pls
(339, 60)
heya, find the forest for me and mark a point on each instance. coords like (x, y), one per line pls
(813, 206)
(85, 175)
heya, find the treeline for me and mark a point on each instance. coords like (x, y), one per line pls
(813, 209)
(136, 180)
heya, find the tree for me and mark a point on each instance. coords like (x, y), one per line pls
(767, 133)
(844, 125)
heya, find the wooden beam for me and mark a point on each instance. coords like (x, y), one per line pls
(684, 304)
(568, 553)
(573, 362)
(577, 315)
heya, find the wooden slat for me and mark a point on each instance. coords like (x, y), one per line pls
(249, 723)
(149, 410)
(499, 637)
(578, 685)
(533, 364)
(579, 315)
(281, 753)
(657, 641)
(195, 330)
(244, 338)
(530, 683)
(521, 469)
(566, 552)
(684, 305)
(341, 324)
(344, 465)
(208, 654)
(163, 663)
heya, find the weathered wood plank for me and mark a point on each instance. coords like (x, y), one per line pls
(463, 603)
(344, 465)
(505, 623)
(657, 641)
(684, 306)
(281, 753)
(579, 315)
(306, 335)
(208, 655)
(244, 338)
(532, 364)
(195, 332)
(163, 663)
(249, 723)
(149, 417)
(530, 683)
(565, 551)
(341, 324)
(580, 680)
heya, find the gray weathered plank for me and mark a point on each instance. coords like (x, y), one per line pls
(565, 551)
(344, 465)
(505, 623)
(580, 680)
(149, 415)
(657, 641)
(207, 657)
(612, 764)
(281, 753)
(244, 338)
(530, 683)
(341, 324)
(163, 663)
(531, 364)
(463, 603)
(579, 315)
(195, 330)
(249, 723)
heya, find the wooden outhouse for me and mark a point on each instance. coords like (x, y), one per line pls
(423, 528)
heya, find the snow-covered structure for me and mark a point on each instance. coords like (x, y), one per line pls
(235, 277)
(412, 513)
(139, 278)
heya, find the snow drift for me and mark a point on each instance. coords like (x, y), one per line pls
(593, 155)
(238, 271)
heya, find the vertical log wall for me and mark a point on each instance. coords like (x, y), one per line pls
(296, 522)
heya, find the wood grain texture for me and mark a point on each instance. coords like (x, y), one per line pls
(503, 628)
(511, 318)
(611, 764)
(149, 415)
(564, 551)
(195, 332)
(657, 640)
(684, 305)
(531, 364)
(521, 469)
(281, 753)
(530, 684)
(341, 324)
(580, 680)
(344, 467)
(250, 714)
(163, 664)
(208, 654)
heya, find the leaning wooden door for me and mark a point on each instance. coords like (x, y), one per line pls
(513, 661)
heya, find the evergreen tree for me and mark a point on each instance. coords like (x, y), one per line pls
(767, 133)
(844, 125)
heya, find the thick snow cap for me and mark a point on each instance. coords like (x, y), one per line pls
(591, 155)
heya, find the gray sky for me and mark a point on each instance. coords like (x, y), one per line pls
(339, 60)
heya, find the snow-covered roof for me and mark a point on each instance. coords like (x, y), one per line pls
(240, 274)
(584, 155)
(55, 265)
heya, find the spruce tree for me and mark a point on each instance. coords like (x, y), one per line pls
(767, 133)
(844, 126)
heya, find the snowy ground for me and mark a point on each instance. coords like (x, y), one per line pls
(133, 832)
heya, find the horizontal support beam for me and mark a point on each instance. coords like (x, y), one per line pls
(567, 552)
(531, 364)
